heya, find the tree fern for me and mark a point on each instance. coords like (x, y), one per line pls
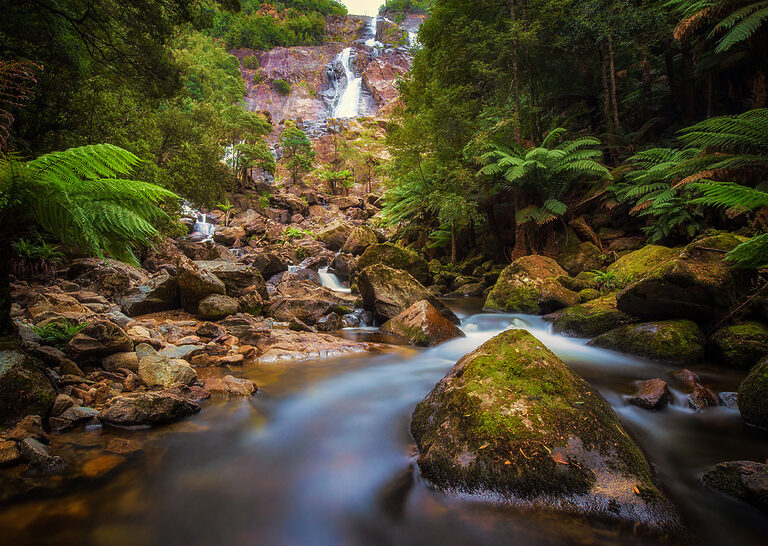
(738, 19)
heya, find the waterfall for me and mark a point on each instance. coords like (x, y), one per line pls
(348, 105)
(331, 281)
(372, 30)
(202, 226)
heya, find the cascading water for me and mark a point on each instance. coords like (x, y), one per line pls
(331, 281)
(373, 29)
(347, 104)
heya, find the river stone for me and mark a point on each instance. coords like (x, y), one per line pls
(422, 324)
(361, 238)
(589, 319)
(127, 361)
(238, 278)
(528, 285)
(740, 346)
(230, 386)
(638, 264)
(39, 456)
(9, 452)
(195, 283)
(698, 284)
(160, 293)
(334, 237)
(752, 396)
(511, 420)
(582, 257)
(147, 409)
(388, 292)
(97, 340)
(165, 372)
(652, 394)
(745, 480)
(672, 341)
(24, 388)
(395, 257)
(217, 306)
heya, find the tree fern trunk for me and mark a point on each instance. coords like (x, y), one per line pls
(606, 91)
(689, 81)
(6, 324)
(614, 101)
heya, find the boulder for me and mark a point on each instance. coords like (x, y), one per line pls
(117, 361)
(238, 278)
(336, 236)
(359, 239)
(195, 284)
(511, 420)
(160, 371)
(590, 319)
(288, 345)
(752, 397)
(217, 306)
(528, 285)
(388, 292)
(228, 236)
(9, 452)
(397, 258)
(230, 386)
(72, 418)
(583, 257)
(331, 322)
(698, 284)
(147, 409)
(24, 388)
(745, 480)
(297, 298)
(740, 346)
(39, 456)
(160, 293)
(671, 341)
(651, 395)
(343, 264)
(422, 324)
(98, 339)
(640, 263)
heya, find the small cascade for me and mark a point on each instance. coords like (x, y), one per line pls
(331, 281)
(372, 31)
(202, 226)
(347, 104)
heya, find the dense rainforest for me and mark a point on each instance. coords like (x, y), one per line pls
(384, 272)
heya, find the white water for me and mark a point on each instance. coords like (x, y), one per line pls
(331, 281)
(348, 105)
(373, 29)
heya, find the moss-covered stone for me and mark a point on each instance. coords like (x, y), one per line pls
(397, 258)
(582, 257)
(752, 398)
(588, 294)
(746, 480)
(697, 284)
(511, 419)
(740, 346)
(24, 388)
(361, 238)
(591, 318)
(638, 264)
(422, 324)
(672, 341)
(528, 285)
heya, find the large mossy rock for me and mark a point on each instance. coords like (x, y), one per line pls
(24, 388)
(740, 346)
(195, 284)
(388, 292)
(672, 341)
(238, 278)
(528, 285)
(360, 239)
(335, 236)
(638, 264)
(397, 258)
(160, 293)
(510, 419)
(576, 259)
(697, 284)
(422, 324)
(217, 307)
(745, 480)
(752, 398)
(590, 319)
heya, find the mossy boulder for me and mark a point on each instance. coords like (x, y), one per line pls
(745, 480)
(335, 236)
(24, 387)
(638, 264)
(511, 420)
(388, 292)
(588, 294)
(422, 324)
(740, 346)
(528, 285)
(361, 238)
(672, 341)
(396, 257)
(590, 319)
(752, 398)
(697, 284)
(217, 307)
(582, 257)
(98, 339)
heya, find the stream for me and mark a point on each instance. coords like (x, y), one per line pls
(322, 455)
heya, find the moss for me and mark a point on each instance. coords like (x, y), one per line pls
(591, 318)
(673, 341)
(640, 263)
(24, 388)
(520, 285)
(588, 294)
(740, 346)
(397, 258)
(752, 398)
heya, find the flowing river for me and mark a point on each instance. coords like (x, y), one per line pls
(322, 455)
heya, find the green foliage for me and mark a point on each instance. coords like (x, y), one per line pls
(297, 149)
(739, 20)
(58, 334)
(43, 251)
(406, 6)
(292, 232)
(605, 279)
(265, 200)
(338, 181)
(282, 87)
(251, 62)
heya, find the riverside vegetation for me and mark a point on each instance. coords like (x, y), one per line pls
(181, 209)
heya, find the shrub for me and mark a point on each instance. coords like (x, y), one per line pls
(251, 62)
(282, 87)
(58, 334)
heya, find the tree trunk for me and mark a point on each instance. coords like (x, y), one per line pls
(606, 91)
(454, 250)
(515, 78)
(689, 81)
(612, 67)
(647, 88)
(7, 326)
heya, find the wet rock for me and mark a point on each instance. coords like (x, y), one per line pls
(9, 452)
(589, 319)
(160, 293)
(422, 324)
(330, 323)
(745, 480)
(238, 278)
(30, 426)
(528, 285)
(245, 327)
(61, 404)
(728, 399)
(105, 277)
(652, 395)
(287, 345)
(195, 284)
(753, 395)
(395, 257)
(740, 346)
(230, 386)
(72, 418)
(99, 339)
(117, 361)
(217, 306)
(296, 298)
(672, 341)
(343, 265)
(228, 236)
(388, 292)
(148, 409)
(68, 367)
(39, 456)
(269, 262)
(165, 372)
(701, 398)
(640, 263)
(210, 329)
(359, 239)
(582, 257)
(475, 289)
(24, 388)
(512, 420)
(698, 284)
(101, 466)
(182, 352)
(334, 237)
